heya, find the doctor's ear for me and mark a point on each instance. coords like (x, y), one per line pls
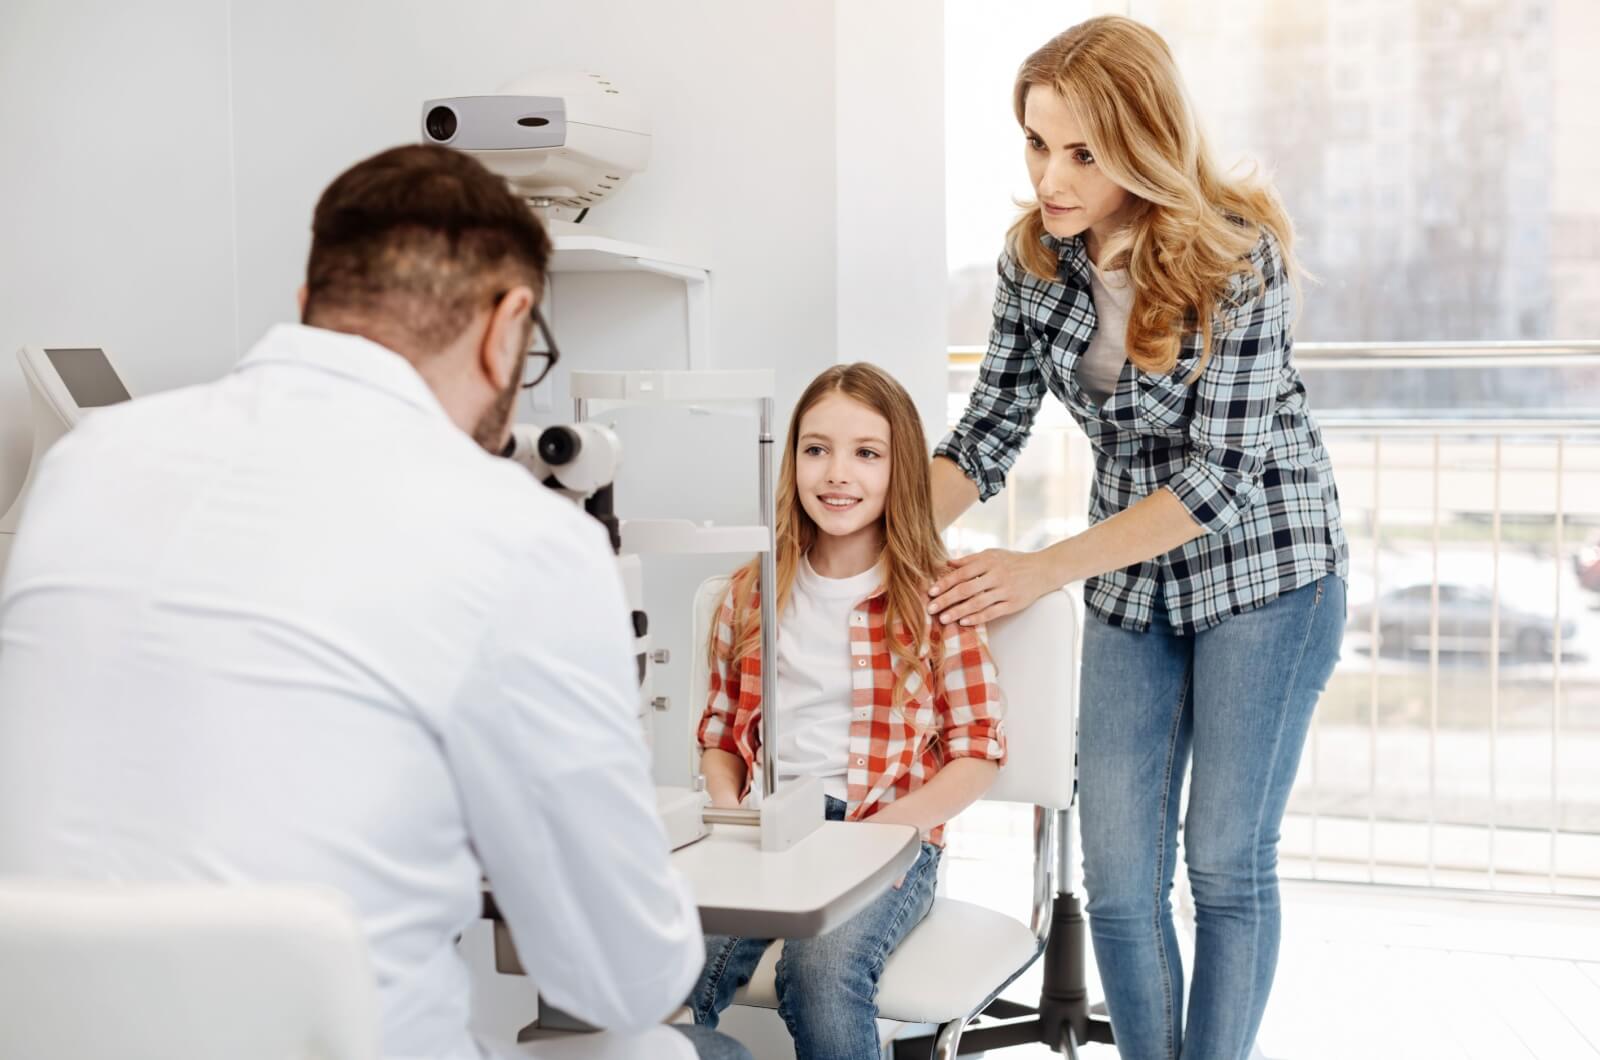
(301, 297)
(508, 334)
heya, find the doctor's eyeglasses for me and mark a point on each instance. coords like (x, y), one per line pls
(540, 361)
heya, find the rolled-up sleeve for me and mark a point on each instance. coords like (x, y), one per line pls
(722, 697)
(1005, 398)
(971, 708)
(1236, 397)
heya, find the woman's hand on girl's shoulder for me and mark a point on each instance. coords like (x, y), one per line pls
(987, 585)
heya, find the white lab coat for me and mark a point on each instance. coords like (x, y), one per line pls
(296, 626)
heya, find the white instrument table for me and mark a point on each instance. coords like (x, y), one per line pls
(809, 889)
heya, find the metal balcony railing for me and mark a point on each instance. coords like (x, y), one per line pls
(1458, 744)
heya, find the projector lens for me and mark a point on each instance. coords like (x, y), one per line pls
(441, 124)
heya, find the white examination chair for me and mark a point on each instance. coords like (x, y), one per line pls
(185, 972)
(950, 970)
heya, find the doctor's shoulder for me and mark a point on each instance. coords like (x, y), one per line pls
(128, 423)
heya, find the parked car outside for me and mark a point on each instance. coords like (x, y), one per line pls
(1465, 622)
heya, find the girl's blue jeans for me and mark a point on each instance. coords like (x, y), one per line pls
(827, 986)
(1232, 704)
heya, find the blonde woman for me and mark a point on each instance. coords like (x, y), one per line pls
(1154, 297)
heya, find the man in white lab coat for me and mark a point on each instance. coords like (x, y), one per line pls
(300, 625)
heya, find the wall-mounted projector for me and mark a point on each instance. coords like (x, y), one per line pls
(562, 141)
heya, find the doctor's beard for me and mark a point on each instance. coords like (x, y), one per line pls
(490, 431)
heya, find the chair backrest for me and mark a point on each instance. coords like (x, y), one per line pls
(1036, 657)
(144, 972)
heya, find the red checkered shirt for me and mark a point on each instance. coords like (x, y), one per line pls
(892, 752)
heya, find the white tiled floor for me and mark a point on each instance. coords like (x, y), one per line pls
(1387, 975)
(1382, 974)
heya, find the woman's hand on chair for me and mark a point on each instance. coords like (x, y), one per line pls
(986, 585)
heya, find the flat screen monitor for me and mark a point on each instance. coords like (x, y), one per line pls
(89, 377)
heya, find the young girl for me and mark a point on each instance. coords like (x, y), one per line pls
(899, 717)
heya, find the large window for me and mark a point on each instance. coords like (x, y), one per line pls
(1440, 160)
(1439, 157)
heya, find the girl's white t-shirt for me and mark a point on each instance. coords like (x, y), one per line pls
(815, 694)
(1101, 365)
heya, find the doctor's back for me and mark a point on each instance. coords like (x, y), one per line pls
(298, 626)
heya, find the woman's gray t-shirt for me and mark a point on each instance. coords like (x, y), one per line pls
(1101, 364)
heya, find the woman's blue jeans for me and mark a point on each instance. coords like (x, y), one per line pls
(1237, 700)
(827, 986)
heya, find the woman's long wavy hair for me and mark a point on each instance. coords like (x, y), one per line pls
(1196, 226)
(913, 554)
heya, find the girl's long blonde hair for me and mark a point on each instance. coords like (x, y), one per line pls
(1196, 227)
(913, 554)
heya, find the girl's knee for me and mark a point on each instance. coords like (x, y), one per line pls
(815, 971)
(822, 1002)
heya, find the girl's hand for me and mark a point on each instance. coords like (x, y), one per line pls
(987, 585)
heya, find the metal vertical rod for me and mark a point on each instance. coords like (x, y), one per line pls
(769, 610)
(1494, 655)
(1066, 872)
(1372, 676)
(1433, 672)
(1555, 662)
(1044, 869)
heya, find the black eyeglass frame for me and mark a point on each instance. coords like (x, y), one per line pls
(551, 353)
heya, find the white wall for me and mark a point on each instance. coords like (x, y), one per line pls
(740, 97)
(892, 275)
(116, 214)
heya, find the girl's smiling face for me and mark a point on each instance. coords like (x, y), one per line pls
(841, 467)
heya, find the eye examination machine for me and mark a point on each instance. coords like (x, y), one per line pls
(64, 385)
(580, 461)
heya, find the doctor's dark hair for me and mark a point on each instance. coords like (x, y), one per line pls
(408, 245)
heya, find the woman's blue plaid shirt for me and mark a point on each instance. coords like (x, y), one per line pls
(1238, 447)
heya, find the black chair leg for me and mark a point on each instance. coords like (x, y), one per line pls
(1064, 998)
